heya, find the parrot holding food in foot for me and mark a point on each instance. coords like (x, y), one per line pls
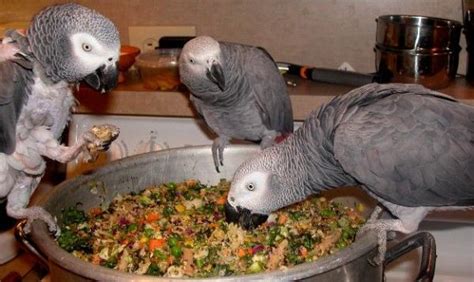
(410, 148)
(239, 91)
(65, 44)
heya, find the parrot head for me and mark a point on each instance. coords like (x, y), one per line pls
(258, 188)
(201, 64)
(73, 43)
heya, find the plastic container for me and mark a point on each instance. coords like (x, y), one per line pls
(159, 69)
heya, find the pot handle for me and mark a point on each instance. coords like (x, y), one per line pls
(23, 238)
(331, 75)
(428, 257)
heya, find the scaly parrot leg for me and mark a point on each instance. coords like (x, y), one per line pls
(18, 200)
(90, 142)
(382, 226)
(375, 214)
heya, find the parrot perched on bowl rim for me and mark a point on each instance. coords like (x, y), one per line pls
(410, 148)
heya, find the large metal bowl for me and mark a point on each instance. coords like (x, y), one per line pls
(135, 173)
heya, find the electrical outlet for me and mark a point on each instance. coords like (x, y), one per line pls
(146, 37)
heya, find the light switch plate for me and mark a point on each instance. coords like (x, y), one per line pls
(146, 37)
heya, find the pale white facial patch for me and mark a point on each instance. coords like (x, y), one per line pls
(251, 191)
(91, 54)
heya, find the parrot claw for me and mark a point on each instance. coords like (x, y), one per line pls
(8, 51)
(215, 157)
(268, 139)
(33, 213)
(218, 151)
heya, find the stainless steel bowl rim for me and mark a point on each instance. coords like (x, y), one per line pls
(42, 238)
(447, 23)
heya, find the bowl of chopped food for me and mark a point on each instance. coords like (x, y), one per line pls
(159, 216)
(159, 69)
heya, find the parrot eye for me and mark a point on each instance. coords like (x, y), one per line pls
(191, 61)
(250, 186)
(86, 47)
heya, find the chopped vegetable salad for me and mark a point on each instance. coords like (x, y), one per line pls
(179, 230)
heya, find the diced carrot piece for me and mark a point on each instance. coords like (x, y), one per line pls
(155, 243)
(152, 217)
(221, 200)
(250, 251)
(282, 219)
(241, 252)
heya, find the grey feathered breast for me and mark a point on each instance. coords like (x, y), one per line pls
(410, 146)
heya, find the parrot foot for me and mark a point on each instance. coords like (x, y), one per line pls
(218, 151)
(375, 214)
(33, 213)
(268, 139)
(381, 241)
(8, 51)
(98, 139)
(384, 228)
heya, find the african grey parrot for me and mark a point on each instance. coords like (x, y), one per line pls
(410, 148)
(238, 90)
(63, 45)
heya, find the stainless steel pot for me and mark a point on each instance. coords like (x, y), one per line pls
(135, 173)
(418, 33)
(433, 70)
(417, 49)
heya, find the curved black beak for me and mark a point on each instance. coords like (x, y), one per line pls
(104, 78)
(216, 75)
(243, 216)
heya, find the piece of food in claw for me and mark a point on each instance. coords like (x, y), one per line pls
(106, 133)
(179, 230)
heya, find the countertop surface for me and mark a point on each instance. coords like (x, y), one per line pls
(131, 98)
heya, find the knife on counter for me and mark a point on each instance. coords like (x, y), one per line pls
(332, 75)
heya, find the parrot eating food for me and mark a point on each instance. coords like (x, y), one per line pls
(410, 148)
(239, 91)
(64, 45)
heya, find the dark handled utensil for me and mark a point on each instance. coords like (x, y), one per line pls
(333, 76)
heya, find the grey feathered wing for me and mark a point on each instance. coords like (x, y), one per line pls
(270, 91)
(411, 149)
(13, 92)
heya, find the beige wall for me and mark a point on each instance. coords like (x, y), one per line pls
(319, 32)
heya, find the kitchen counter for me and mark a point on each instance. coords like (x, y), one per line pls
(131, 98)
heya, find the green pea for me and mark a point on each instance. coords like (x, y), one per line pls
(176, 251)
(132, 228)
(173, 241)
(200, 263)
